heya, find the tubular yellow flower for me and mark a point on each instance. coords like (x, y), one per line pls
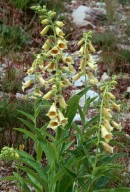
(106, 113)
(30, 71)
(92, 79)
(62, 102)
(41, 80)
(41, 68)
(116, 125)
(16, 155)
(45, 30)
(82, 64)
(91, 48)
(66, 69)
(52, 113)
(52, 13)
(68, 60)
(77, 76)
(54, 123)
(26, 84)
(50, 67)
(81, 51)
(61, 44)
(66, 83)
(59, 32)
(54, 51)
(80, 42)
(46, 45)
(115, 106)
(59, 23)
(48, 95)
(107, 125)
(107, 147)
(105, 134)
(110, 95)
(62, 119)
(71, 69)
(45, 21)
(21, 147)
(37, 92)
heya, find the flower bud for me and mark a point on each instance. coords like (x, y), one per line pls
(77, 76)
(45, 21)
(62, 102)
(30, 71)
(80, 42)
(59, 23)
(110, 95)
(47, 45)
(81, 51)
(106, 113)
(115, 106)
(91, 48)
(48, 95)
(45, 30)
(41, 68)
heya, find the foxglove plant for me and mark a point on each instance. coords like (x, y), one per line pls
(70, 160)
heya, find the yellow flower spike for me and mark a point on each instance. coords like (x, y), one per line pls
(91, 48)
(110, 95)
(62, 102)
(115, 106)
(48, 95)
(54, 123)
(61, 44)
(116, 125)
(30, 71)
(80, 42)
(82, 64)
(52, 113)
(77, 76)
(59, 23)
(41, 68)
(106, 134)
(62, 119)
(46, 45)
(45, 30)
(45, 21)
(81, 51)
(66, 83)
(26, 84)
(106, 113)
(59, 32)
(54, 51)
(107, 125)
(107, 147)
(50, 67)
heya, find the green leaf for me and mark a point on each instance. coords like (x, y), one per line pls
(81, 93)
(82, 116)
(28, 133)
(88, 102)
(27, 115)
(9, 178)
(91, 122)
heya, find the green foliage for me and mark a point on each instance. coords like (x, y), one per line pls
(12, 38)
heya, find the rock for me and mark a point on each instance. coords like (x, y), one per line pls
(105, 77)
(19, 96)
(128, 90)
(29, 77)
(80, 82)
(89, 94)
(78, 118)
(84, 16)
